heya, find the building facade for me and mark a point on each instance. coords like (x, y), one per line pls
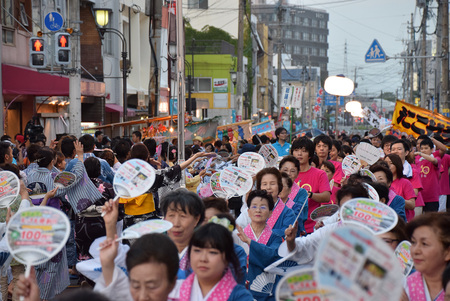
(303, 32)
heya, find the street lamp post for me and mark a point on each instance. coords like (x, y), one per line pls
(338, 85)
(102, 19)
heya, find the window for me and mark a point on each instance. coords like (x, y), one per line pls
(322, 52)
(7, 13)
(322, 24)
(288, 48)
(202, 85)
(314, 37)
(288, 34)
(297, 49)
(274, 17)
(306, 22)
(322, 38)
(297, 20)
(23, 14)
(305, 51)
(306, 36)
(201, 4)
(314, 23)
(297, 35)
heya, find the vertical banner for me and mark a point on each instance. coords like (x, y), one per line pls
(417, 121)
(286, 96)
(297, 97)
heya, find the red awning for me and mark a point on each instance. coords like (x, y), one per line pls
(115, 108)
(19, 80)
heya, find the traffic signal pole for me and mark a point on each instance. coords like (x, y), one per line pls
(75, 77)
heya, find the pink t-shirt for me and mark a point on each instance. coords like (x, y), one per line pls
(416, 183)
(429, 174)
(403, 188)
(314, 180)
(338, 174)
(444, 180)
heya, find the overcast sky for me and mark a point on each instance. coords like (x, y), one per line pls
(359, 22)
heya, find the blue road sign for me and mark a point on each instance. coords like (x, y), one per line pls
(375, 54)
(330, 100)
(54, 21)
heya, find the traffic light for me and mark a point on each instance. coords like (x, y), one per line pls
(62, 49)
(38, 57)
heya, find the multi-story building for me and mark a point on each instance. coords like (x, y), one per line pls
(303, 32)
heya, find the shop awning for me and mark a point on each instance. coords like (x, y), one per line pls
(115, 108)
(20, 80)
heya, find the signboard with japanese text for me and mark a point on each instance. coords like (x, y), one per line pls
(220, 85)
(418, 121)
(297, 97)
(286, 96)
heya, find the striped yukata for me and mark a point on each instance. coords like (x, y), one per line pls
(81, 195)
(52, 277)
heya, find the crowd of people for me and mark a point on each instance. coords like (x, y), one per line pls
(218, 248)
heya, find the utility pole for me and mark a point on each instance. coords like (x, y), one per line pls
(240, 62)
(280, 17)
(443, 8)
(423, 88)
(181, 84)
(75, 77)
(310, 111)
(411, 62)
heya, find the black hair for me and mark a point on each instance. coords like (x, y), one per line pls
(150, 143)
(357, 178)
(32, 151)
(139, 151)
(427, 141)
(98, 133)
(154, 248)
(288, 179)
(226, 138)
(422, 137)
(82, 294)
(122, 149)
(93, 167)
(256, 140)
(5, 137)
(44, 157)
(305, 143)
(439, 222)
(187, 152)
(217, 237)
(88, 142)
(269, 171)
(324, 139)
(347, 150)
(380, 167)
(366, 141)
(12, 168)
(382, 190)
(264, 139)
(228, 217)
(348, 140)
(216, 203)
(196, 148)
(291, 159)
(355, 191)
(405, 144)
(186, 201)
(337, 144)
(217, 143)
(395, 159)
(4, 150)
(315, 159)
(445, 277)
(209, 144)
(67, 147)
(279, 130)
(228, 147)
(261, 194)
(388, 139)
(330, 166)
(137, 134)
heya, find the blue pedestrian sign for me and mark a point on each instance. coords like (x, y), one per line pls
(53, 21)
(375, 54)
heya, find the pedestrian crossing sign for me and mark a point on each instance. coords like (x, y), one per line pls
(375, 54)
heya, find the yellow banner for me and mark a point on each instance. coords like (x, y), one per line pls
(417, 121)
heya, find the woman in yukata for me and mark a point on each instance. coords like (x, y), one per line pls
(185, 210)
(262, 244)
(211, 253)
(430, 251)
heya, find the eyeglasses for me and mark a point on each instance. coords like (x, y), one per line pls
(390, 241)
(262, 208)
